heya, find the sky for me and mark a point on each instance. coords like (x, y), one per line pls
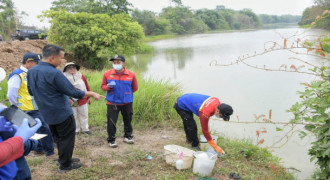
(272, 7)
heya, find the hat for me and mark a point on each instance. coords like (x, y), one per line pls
(71, 63)
(118, 57)
(31, 57)
(226, 110)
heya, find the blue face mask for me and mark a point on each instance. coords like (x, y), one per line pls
(117, 66)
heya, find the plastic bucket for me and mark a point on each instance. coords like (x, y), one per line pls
(204, 163)
(171, 153)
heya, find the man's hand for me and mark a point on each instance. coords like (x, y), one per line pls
(97, 97)
(89, 101)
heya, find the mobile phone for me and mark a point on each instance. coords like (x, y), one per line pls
(16, 116)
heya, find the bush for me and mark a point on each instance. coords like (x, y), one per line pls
(94, 37)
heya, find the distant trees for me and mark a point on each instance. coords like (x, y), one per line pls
(273, 19)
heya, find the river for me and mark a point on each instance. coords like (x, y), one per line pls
(251, 92)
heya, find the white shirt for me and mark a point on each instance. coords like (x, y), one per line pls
(14, 83)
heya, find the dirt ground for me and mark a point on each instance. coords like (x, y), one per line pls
(116, 163)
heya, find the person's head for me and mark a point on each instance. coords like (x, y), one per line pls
(71, 68)
(53, 54)
(224, 111)
(30, 60)
(118, 62)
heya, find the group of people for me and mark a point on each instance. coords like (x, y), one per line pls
(58, 101)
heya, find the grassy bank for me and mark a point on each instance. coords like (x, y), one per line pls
(152, 108)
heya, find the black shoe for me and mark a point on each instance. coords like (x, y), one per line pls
(73, 160)
(66, 169)
(88, 132)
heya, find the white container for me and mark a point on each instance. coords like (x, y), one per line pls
(204, 144)
(172, 152)
(204, 163)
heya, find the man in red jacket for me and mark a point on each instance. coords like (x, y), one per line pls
(120, 85)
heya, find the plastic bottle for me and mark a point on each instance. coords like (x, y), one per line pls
(179, 162)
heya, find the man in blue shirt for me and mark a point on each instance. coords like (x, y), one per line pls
(51, 89)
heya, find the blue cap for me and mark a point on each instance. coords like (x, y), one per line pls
(31, 57)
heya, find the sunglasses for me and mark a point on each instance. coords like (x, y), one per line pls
(71, 67)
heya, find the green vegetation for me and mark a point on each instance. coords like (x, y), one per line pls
(7, 18)
(314, 111)
(94, 37)
(109, 7)
(318, 16)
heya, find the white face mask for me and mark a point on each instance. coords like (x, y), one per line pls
(117, 66)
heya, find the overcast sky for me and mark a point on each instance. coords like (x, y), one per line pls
(276, 7)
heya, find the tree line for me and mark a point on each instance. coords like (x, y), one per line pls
(317, 16)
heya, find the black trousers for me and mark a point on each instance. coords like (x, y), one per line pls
(112, 116)
(189, 124)
(65, 135)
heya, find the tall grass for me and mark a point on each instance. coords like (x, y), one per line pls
(152, 106)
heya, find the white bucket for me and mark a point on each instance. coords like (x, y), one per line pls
(172, 152)
(204, 163)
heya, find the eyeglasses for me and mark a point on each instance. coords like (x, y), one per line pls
(71, 67)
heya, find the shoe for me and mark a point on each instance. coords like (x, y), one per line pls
(197, 148)
(52, 157)
(129, 140)
(66, 169)
(88, 132)
(73, 160)
(113, 144)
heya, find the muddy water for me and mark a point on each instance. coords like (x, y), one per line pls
(250, 91)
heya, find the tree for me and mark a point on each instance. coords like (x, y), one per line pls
(212, 19)
(109, 7)
(152, 25)
(7, 18)
(182, 20)
(94, 38)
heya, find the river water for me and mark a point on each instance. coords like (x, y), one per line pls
(251, 92)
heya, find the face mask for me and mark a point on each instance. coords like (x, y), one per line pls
(117, 66)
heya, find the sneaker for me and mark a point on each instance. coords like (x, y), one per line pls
(66, 169)
(88, 132)
(113, 144)
(52, 157)
(129, 140)
(73, 160)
